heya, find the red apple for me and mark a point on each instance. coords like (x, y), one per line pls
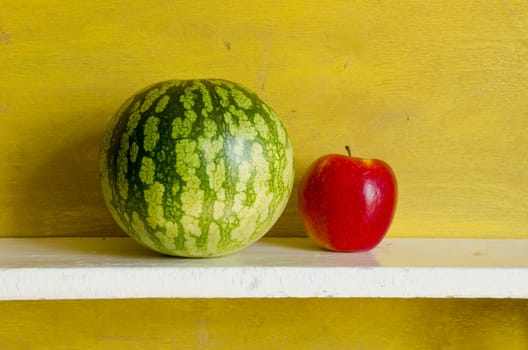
(347, 203)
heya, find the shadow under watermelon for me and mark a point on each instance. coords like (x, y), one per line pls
(61, 196)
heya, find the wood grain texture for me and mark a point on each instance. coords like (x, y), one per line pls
(436, 89)
(353, 324)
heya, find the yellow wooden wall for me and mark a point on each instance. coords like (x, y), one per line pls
(436, 88)
(439, 89)
(266, 324)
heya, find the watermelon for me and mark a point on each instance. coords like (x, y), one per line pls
(196, 168)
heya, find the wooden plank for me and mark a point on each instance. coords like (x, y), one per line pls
(117, 268)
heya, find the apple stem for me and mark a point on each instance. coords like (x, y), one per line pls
(347, 147)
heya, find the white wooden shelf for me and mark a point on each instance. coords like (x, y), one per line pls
(107, 268)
